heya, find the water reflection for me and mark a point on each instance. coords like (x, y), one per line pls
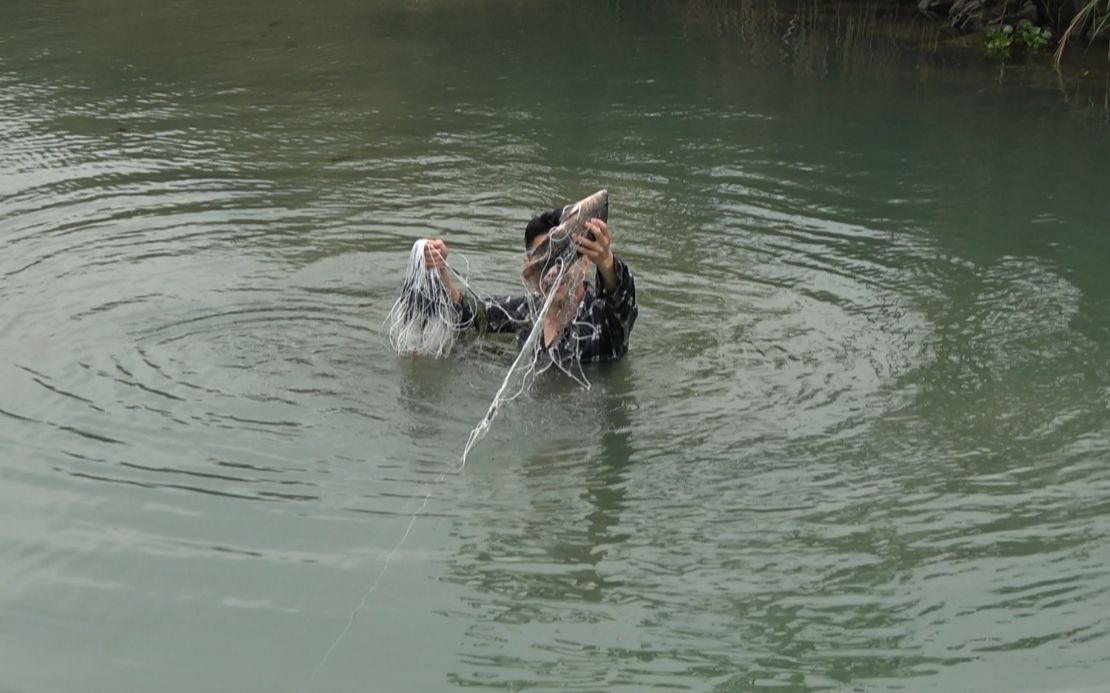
(551, 559)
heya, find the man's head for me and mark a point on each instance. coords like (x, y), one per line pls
(573, 216)
(537, 229)
(549, 237)
(537, 256)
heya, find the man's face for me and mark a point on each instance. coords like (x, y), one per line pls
(537, 240)
(534, 264)
(537, 261)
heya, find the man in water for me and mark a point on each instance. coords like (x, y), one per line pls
(585, 323)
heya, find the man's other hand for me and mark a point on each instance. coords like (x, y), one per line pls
(435, 255)
(600, 251)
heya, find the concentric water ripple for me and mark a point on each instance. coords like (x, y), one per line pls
(859, 442)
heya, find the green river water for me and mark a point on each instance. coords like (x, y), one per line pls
(860, 442)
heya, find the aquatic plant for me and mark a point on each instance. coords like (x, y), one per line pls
(1033, 37)
(1000, 40)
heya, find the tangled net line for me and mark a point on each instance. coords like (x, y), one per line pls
(425, 321)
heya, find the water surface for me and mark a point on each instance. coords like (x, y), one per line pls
(860, 442)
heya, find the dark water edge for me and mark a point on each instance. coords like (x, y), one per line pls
(870, 40)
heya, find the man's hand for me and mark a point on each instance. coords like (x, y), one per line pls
(435, 255)
(600, 251)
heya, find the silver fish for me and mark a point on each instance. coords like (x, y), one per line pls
(560, 247)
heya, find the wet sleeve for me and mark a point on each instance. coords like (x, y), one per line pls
(497, 314)
(621, 307)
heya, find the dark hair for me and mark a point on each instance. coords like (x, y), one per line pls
(541, 223)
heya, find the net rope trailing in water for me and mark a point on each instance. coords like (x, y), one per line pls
(530, 362)
(424, 320)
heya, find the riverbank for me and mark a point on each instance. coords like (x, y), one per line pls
(866, 38)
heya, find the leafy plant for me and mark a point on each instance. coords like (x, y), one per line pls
(1035, 38)
(1000, 40)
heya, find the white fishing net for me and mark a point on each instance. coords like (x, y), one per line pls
(424, 319)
